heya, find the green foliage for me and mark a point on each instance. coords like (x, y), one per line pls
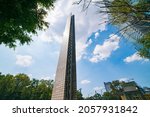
(117, 89)
(115, 94)
(21, 18)
(132, 17)
(21, 87)
(145, 42)
(135, 15)
(119, 10)
(96, 96)
(123, 11)
(110, 96)
(79, 95)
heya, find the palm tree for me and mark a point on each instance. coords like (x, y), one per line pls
(132, 17)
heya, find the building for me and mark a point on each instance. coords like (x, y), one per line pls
(146, 90)
(131, 91)
(147, 93)
(65, 80)
(128, 90)
(108, 86)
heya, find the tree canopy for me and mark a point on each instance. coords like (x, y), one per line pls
(79, 95)
(145, 43)
(134, 20)
(96, 96)
(132, 17)
(21, 87)
(21, 18)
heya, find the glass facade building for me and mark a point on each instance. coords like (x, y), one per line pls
(65, 80)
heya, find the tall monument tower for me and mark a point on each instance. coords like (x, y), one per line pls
(65, 80)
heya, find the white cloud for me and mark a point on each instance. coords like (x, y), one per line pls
(123, 79)
(134, 57)
(96, 35)
(89, 42)
(102, 52)
(24, 60)
(44, 37)
(52, 77)
(46, 78)
(85, 82)
(50, 37)
(85, 24)
(81, 48)
(30, 75)
(98, 88)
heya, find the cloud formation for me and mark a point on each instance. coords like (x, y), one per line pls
(85, 82)
(48, 77)
(134, 57)
(89, 42)
(24, 60)
(124, 79)
(104, 51)
(81, 49)
(96, 35)
(83, 23)
(98, 88)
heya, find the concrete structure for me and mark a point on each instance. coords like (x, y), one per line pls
(146, 90)
(147, 93)
(65, 80)
(108, 86)
(131, 91)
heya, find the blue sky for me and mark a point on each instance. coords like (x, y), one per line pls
(102, 55)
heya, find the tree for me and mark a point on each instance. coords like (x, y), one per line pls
(6, 86)
(79, 95)
(115, 94)
(144, 51)
(96, 96)
(109, 96)
(44, 90)
(117, 89)
(132, 17)
(21, 87)
(22, 81)
(21, 18)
